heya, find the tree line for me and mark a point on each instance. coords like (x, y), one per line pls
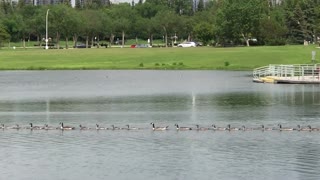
(213, 22)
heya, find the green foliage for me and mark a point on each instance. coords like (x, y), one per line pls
(204, 32)
(301, 19)
(4, 35)
(200, 5)
(225, 21)
(239, 19)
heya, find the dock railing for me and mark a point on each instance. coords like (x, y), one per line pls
(300, 71)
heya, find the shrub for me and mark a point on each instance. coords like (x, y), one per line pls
(141, 65)
(226, 63)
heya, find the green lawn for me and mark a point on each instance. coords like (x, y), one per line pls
(238, 58)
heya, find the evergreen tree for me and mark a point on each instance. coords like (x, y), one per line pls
(200, 5)
(78, 4)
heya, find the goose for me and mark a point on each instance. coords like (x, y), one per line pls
(83, 127)
(2, 126)
(201, 128)
(35, 127)
(115, 128)
(244, 128)
(66, 127)
(229, 128)
(131, 128)
(266, 128)
(47, 127)
(313, 129)
(285, 128)
(308, 128)
(159, 128)
(182, 128)
(218, 128)
(100, 128)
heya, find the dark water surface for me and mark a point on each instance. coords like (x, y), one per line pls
(138, 98)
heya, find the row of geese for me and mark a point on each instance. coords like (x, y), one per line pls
(163, 128)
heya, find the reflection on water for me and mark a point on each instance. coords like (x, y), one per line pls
(165, 98)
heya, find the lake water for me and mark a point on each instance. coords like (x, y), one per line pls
(138, 98)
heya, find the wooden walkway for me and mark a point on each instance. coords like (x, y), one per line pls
(286, 80)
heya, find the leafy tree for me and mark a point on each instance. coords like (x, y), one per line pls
(124, 16)
(238, 18)
(204, 32)
(273, 30)
(62, 21)
(6, 7)
(4, 35)
(186, 30)
(148, 10)
(167, 22)
(89, 28)
(70, 25)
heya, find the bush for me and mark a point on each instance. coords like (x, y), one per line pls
(141, 65)
(226, 63)
(157, 64)
(276, 42)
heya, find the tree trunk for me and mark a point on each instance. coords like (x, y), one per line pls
(67, 46)
(165, 36)
(151, 39)
(246, 39)
(92, 41)
(123, 34)
(111, 39)
(58, 40)
(24, 42)
(87, 41)
(166, 39)
(75, 39)
(172, 43)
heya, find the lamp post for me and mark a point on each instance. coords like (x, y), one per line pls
(47, 29)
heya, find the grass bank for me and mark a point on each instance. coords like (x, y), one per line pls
(238, 58)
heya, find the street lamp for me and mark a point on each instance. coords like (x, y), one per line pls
(47, 29)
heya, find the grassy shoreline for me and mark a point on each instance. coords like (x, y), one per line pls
(206, 58)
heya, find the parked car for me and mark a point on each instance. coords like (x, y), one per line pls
(187, 44)
(198, 43)
(81, 45)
